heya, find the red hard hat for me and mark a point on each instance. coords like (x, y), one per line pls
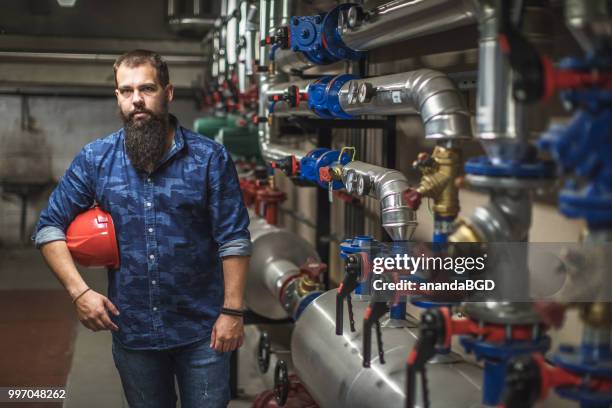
(91, 239)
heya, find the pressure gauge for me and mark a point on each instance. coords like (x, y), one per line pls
(351, 182)
(352, 17)
(363, 186)
(353, 92)
(366, 92)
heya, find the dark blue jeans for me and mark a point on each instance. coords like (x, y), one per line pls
(147, 376)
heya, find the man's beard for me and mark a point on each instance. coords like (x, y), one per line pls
(145, 139)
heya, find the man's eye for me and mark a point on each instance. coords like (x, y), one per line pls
(125, 92)
(148, 89)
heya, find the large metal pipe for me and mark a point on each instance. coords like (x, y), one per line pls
(505, 126)
(330, 366)
(215, 52)
(428, 92)
(250, 44)
(222, 55)
(387, 186)
(505, 218)
(241, 51)
(276, 13)
(271, 151)
(404, 19)
(277, 257)
(231, 44)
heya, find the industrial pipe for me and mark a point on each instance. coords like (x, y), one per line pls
(272, 13)
(386, 186)
(222, 53)
(330, 366)
(428, 92)
(274, 288)
(250, 42)
(271, 151)
(402, 20)
(505, 218)
(232, 33)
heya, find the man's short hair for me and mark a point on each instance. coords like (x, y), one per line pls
(139, 57)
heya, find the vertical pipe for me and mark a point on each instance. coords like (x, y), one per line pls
(504, 126)
(222, 43)
(242, 52)
(232, 35)
(264, 27)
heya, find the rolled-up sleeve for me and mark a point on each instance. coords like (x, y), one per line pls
(74, 194)
(228, 215)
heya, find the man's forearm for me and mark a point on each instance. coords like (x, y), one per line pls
(58, 258)
(235, 270)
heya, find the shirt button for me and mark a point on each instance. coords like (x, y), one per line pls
(150, 229)
(155, 309)
(151, 256)
(153, 282)
(148, 204)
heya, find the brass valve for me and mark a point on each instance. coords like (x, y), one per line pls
(438, 181)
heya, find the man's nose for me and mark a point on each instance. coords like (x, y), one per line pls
(137, 98)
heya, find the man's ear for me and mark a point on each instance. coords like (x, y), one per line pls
(117, 96)
(169, 90)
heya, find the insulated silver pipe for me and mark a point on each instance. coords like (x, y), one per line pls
(500, 120)
(428, 92)
(241, 50)
(403, 19)
(281, 108)
(505, 126)
(250, 44)
(280, 13)
(277, 256)
(330, 366)
(387, 186)
(215, 53)
(222, 43)
(272, 13)
(505, 218)
(271, 151)
(232, 34)
(264, 28)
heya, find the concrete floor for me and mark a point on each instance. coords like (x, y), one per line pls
(93, 380)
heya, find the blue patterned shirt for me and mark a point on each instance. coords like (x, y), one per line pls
(173, 227)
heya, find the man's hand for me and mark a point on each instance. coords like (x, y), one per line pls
(227, 333)
(92, 310)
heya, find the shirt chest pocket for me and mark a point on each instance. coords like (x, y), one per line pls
(184, 201)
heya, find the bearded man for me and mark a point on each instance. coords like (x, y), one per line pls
(174, 304)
